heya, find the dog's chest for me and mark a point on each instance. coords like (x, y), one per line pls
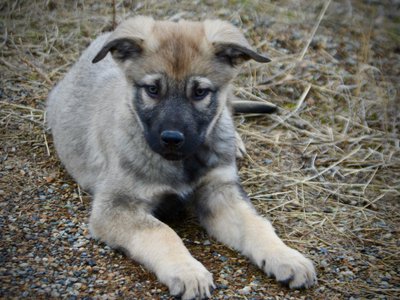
(199, 164)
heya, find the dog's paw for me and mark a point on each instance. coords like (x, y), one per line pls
(289, 267)
(190, 280)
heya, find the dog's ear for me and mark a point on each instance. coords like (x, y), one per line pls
(121, 49)
(127, 40)
(230, 45)
(235, 54)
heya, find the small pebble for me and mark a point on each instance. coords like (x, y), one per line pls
(245, 291)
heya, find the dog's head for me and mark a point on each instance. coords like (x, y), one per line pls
(180, 74)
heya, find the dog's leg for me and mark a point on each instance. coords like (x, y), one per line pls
(227, 214)
(121, 223)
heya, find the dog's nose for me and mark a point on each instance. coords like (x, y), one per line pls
(172, 138)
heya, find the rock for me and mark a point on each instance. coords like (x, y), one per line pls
(245, 291)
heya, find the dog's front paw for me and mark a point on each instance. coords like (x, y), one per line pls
(189, 280)
(289, 267)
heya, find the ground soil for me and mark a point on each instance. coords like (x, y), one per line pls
(325, 169)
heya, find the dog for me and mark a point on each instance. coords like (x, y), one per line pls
(143, 121)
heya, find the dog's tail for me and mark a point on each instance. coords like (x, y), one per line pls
(252, 107)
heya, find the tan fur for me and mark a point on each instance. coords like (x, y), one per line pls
(179, 48)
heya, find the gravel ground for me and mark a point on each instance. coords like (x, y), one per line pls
(325, 170)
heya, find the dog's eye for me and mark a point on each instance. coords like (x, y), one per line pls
(200, 94)
(152, 90)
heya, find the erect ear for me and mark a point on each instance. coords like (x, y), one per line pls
(235, 54)
(121, 49)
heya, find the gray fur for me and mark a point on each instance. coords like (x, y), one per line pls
(96, 117)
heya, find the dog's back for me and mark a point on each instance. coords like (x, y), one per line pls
(87, 93)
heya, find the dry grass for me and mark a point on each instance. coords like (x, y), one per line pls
(326, 169)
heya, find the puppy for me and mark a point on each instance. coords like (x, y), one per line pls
(142, 121)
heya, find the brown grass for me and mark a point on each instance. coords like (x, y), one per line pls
(326, 169)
